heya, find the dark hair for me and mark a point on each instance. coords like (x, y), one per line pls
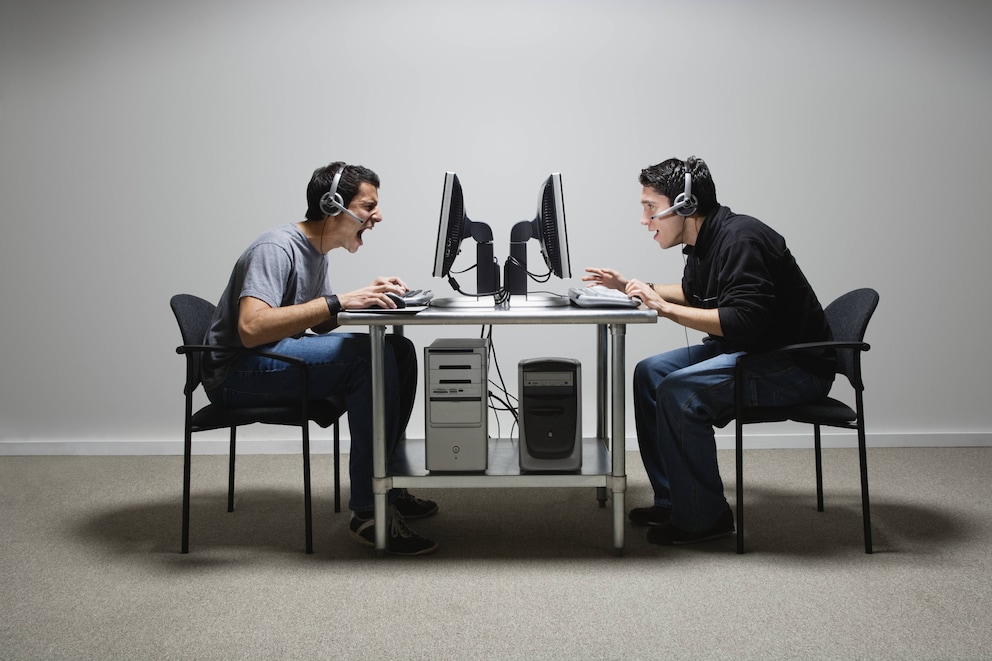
(351, 178)
(668, 178)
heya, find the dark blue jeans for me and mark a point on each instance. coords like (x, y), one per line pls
(340, 365)
(679, 396)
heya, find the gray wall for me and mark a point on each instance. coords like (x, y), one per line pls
(144, 144)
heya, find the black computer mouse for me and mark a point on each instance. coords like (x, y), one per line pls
(397, 299)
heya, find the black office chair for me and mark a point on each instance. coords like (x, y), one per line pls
(848, 317)
(194, 315)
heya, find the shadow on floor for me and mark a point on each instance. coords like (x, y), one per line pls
(510, 524)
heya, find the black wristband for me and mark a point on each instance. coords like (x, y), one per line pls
(333, 304)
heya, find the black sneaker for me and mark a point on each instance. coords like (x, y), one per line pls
(400, 539)
(412, 507)
(668, 534)
(650, 516)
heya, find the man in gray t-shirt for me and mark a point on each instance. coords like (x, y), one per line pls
(277, 292)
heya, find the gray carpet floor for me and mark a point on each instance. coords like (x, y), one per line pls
(90, 569)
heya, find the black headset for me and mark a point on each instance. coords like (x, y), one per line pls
(331, 202)
(685, 203)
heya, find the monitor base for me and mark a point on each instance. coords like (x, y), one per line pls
(537, 301)
(468, 302)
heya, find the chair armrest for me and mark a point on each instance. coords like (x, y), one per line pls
(789, 348)
(804, 346)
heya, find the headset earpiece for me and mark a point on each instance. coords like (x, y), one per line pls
(331, 202)
(685, 203)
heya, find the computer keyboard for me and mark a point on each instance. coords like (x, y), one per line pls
(415, 297)
(599, 296)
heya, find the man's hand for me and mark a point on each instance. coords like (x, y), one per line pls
(391, 281)
(605, 277)
(374, 295)
(643, 291)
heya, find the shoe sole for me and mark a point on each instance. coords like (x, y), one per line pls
(357, 536)
(426, 551)
(716, 535)
(644, 523)
(422, 515)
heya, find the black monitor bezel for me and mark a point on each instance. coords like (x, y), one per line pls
(544, 222)
(561, 267)
(453, 228)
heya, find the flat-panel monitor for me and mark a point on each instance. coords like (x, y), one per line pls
(548, 229)
(454, 226)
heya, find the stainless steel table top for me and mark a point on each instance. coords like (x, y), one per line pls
(470, 315)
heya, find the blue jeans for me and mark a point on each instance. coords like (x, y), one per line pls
(340, 364)
(679, 396)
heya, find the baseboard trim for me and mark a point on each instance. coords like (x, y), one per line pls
(212, 446)
(850, 440)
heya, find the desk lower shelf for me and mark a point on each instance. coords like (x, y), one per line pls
(504, 470)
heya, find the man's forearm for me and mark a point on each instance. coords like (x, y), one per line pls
(671, 293)
(261, 324)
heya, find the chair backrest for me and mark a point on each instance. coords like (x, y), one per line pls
(193, 315)
(848, 317)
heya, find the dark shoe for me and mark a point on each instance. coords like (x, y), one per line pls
(650, 516)
(400, 539)
(412, 507)
(668, 534)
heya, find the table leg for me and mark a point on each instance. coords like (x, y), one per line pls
(602, 396)
(379, 481)
(619, 438)
(602, 381)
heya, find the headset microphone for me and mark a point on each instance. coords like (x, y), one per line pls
(331, 202)
(685, 203)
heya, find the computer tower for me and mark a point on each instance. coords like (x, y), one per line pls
(457, 416)
(550, 414)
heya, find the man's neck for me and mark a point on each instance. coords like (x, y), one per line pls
(690, 229)
(320, 234)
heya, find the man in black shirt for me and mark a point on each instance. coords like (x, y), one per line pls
(743, 288)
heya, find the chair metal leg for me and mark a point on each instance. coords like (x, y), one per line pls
(865, 507)
(307, 505)
(337, 465)
(230, 470)
(187, 452)
(740, 487)
(817, 447)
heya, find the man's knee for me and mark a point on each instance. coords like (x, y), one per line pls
(639, 373)
(675, 390)
(645, 373)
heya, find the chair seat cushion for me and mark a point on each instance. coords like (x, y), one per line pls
(322, 411)
(827, 411)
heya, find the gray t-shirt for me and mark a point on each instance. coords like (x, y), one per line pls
(281, 267)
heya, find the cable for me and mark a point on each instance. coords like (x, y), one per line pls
(506, 406)
(510, 403)
(498, 294)
(499, 373)
(544, 277)
(685, 329)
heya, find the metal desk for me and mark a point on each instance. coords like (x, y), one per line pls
(608, 473)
